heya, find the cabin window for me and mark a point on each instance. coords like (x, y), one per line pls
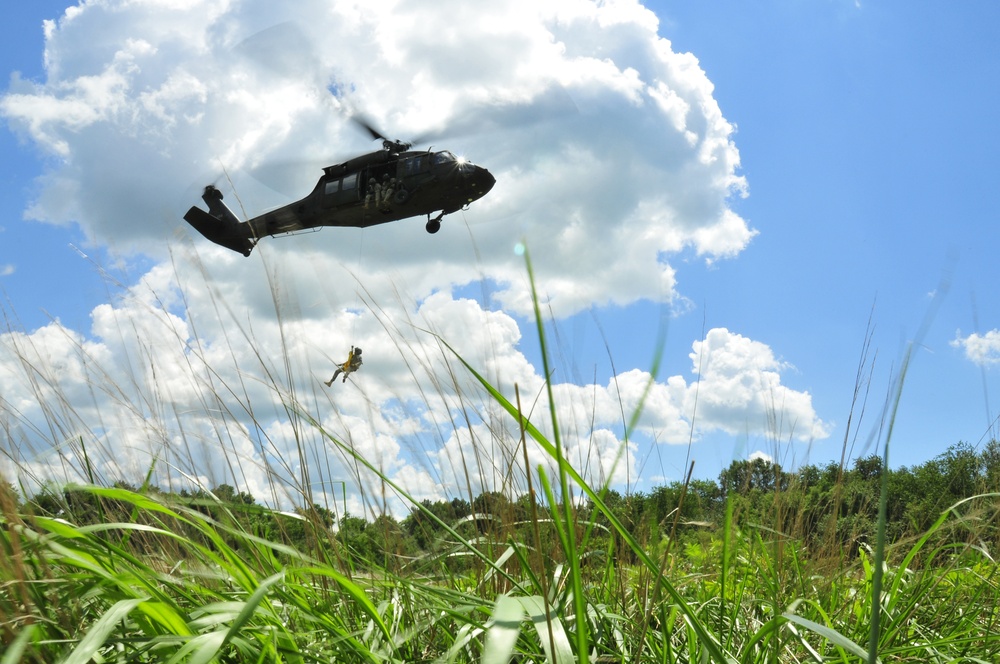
(443, 157)
(414, 165)
(331, 187)
(350, 182)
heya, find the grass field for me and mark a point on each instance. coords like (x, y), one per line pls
(108, 573)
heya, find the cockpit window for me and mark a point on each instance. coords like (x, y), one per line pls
(443, 157)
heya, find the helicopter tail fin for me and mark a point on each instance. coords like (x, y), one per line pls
(219, 224)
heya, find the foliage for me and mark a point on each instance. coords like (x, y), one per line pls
(763, 565)
(129, 575)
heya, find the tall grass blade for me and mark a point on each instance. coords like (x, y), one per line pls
(568, 535)
(166, 616)
(830, 634)
(17, 647)
(504, 628)
(551, 632)
(250, 607)
(466, 635)
(202, 649)
(708, 641)
(99, 631)
(876, 596)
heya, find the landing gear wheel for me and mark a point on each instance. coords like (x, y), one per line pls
(433, 226)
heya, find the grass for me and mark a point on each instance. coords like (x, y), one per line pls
(152, 576)
(84, 593)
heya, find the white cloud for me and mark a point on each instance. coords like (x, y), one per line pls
(983, 350)
(7, 269)
(213, 362)
(736, 389)
(740, 390)
(193, 379)
(144, 100)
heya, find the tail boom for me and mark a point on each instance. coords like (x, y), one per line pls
(220, 225)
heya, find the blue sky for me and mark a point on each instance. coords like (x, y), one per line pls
(866, 133)
(863, 140)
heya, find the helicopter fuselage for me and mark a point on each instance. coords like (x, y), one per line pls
(375, 188)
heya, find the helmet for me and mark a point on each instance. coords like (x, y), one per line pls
(357, 351)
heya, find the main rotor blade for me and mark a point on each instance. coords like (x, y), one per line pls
(363, 122)
(283, 50)
(554, 103)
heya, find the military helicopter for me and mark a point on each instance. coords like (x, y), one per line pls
(387, 185)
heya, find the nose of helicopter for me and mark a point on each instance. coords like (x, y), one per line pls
(482, 182)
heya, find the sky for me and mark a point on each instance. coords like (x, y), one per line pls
(777, 205)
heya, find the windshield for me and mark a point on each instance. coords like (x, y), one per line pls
(443, 157)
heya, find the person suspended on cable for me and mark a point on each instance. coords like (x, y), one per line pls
(352, 364)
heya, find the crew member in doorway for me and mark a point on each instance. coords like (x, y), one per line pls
(372, 194)
(388, 188)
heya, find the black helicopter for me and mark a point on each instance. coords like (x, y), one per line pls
(387, 185)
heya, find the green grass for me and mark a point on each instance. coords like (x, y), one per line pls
(83, 593)
(137, 574)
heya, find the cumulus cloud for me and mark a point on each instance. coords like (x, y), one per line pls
(243, 403)
(741, 390)
(611, 157)
(982, 349)
(610, 152)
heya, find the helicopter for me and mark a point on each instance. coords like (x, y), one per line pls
(387, 185)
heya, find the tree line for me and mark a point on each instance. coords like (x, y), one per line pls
(831, 507)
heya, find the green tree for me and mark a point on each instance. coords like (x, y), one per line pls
(427, 534)
(753, 475)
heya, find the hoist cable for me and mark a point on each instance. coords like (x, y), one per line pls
(357, 284)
